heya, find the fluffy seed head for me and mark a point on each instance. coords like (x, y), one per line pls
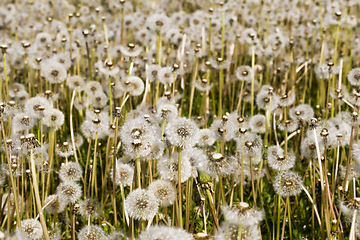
(70, 171)
(89, 208)
(164, 191)
(54, 72)
(165, 232)
(124, 174)
(54, 118)
(92, 232)
(32, 229)
(69, 191)
(181, 132)
(141, 204)
(287, 184)
(54, 204)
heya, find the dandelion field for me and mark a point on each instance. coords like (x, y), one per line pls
(182, 120)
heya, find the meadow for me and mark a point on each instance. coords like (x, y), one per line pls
(179, 120)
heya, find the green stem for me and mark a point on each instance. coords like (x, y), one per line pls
(37, 196)
(93, 180)
(180, 191)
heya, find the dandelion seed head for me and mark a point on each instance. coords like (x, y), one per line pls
(164, 191)
(76, 83)
(92, 232)
(141, 204)
(164, 232)
(124, 174)
(70, 171)
(181, 132)
(69, 191)
(89, 208)
(32, 229)
(54, 72)
(54, 204)
(168, 168)
(287, 184)
(278, 160)
(243, 214)
(257, 123)
(54, 118)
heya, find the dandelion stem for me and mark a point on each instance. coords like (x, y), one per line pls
(138, 172)
(93, 181)
(37, 196)
(18, 221)
(180, 191)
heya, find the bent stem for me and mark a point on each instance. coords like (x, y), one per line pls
(179, 189)
(93, 181)
(18, 221)
(37, 196)
(72, 127)
(212, 208)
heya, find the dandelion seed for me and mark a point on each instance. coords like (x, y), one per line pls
(32, 229)
(54, 72)
(353, 171)
(152, 72)
(181, 132)
(167, 75)
(22, 121)
(10, 201)
(287, 100)
(164, 191)
(124, 174)
(141, 204)
(288, 125)
(158, 22)
(132, 84)
(54, 119)
(69, 191)
(15, 88)
(351, 119)
(89, 208)
(76, 83)
(257, 123)
(231, 231)
(203, 85)
(244, 73)
(205, 137)
(92, 232)
(217, 165)
(54, 204)
(63, 58)
(168, 168)
(99, 100)
(70, 171)
(243, 214)
(250, 146)
(92, 87)
(287, 184)
(267, 100)
(308, 148)
(107, 68)
(81, 103)
(278, 160)
(131, 50)
(167, 111)
(349, 208)
(220, 63)
(36, 107)
(164, 232)
(302, 112)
